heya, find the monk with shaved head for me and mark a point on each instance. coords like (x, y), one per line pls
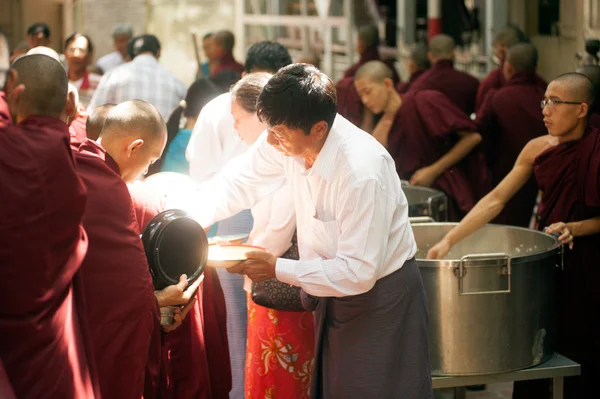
(428, 136)
(418, 64)
(122, 308)
(95, 121)
(507, 37)
(566, 167)
(459, 87)
(45, 344)
(508, 119)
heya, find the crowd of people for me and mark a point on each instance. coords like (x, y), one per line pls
(311, 171)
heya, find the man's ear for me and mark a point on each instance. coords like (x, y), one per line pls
(388, 83)
(135, 145)
(583, 110)
(319, 130)
(71, 106)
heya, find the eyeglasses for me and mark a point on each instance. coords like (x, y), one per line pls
(551, 103)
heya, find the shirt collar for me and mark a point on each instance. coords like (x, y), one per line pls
(145, 59)
(325, 163)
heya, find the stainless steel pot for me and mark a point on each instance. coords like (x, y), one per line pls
(491, 300)
(425, 202)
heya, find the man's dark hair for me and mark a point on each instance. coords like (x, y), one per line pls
(298, 96)
(76, 36)
(144, 44)
(266, 56)
(225, 39)
(369, 35)
(39, 27)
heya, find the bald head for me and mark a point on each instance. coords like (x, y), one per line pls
(368, 36)
(375, 71)
(43, 50)
(523, 57)
(578, 85)
(134, 118)
(95, 121)
(418, 55)
(441, 47)
(46, 85)
(509, 36)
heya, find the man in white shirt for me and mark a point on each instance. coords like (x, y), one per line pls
(357, 268)
(121, 36)
(141, 79)
(213, 144)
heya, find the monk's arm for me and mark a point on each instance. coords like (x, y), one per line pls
(491, 205)
(468, 141)
(586, 227)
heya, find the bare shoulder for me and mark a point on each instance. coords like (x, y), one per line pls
(536, 146)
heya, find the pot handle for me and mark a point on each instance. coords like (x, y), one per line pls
(462, 271)
(421, 219)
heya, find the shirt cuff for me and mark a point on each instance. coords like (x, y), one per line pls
(285, 271)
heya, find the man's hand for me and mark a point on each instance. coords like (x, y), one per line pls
(439, 250)
(180, 315)
(424, 177)
(259, 266)
(565, 234)
(175, 295)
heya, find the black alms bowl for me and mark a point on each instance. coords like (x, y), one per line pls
(175, 244)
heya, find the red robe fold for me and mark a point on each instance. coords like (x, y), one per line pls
(122, 310)
(459, 87)
(508, 119)
(228, 63)
(404, 87)
(495, 80)
(569, 177)
(6, 391)
(424, 130)
(44, 344)
(348, 101)
(195, 357)
(371, 55)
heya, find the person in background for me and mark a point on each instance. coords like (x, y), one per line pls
(180, 126)
(19, 51)
(143, 79)
(273, 229)
(209, 65)
(593, 73)
(368, 49)
(38, 34)
(418, 63)
(78, 52)
(122, 33)
(222, 50)
(460, 87)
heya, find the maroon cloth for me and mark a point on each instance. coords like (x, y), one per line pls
(403, 87)
(459, 87)
(595, 120)
(495, 80)
(195, 357)
(77, 130)
(371, 55)
(508, 119)
(6, 391)
(228, 63)
(44, 344)
(122, 310)
(348, 101)
(424, 130)
(569, 177)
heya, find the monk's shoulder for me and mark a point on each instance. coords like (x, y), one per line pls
(537, 146)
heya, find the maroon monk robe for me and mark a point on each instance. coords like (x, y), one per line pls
(348, 101)
(403, 87)
(595, 120)
(459, 87)
(44, 344)
(371, 55)
(424, 130)
(495, 80)
(508, 119)
(6, 391)
(122, 310)
(569, 177)
(228, 63)
(195, 357)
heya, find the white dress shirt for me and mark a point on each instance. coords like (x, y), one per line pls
(214, 141)
(352, 215)
(109, 61)
(141, 79)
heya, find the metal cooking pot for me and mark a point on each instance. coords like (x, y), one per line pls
(491, 299)
(175, 244)
(425, 202)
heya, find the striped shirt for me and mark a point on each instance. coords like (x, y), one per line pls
(352, 216)
(141, 79)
